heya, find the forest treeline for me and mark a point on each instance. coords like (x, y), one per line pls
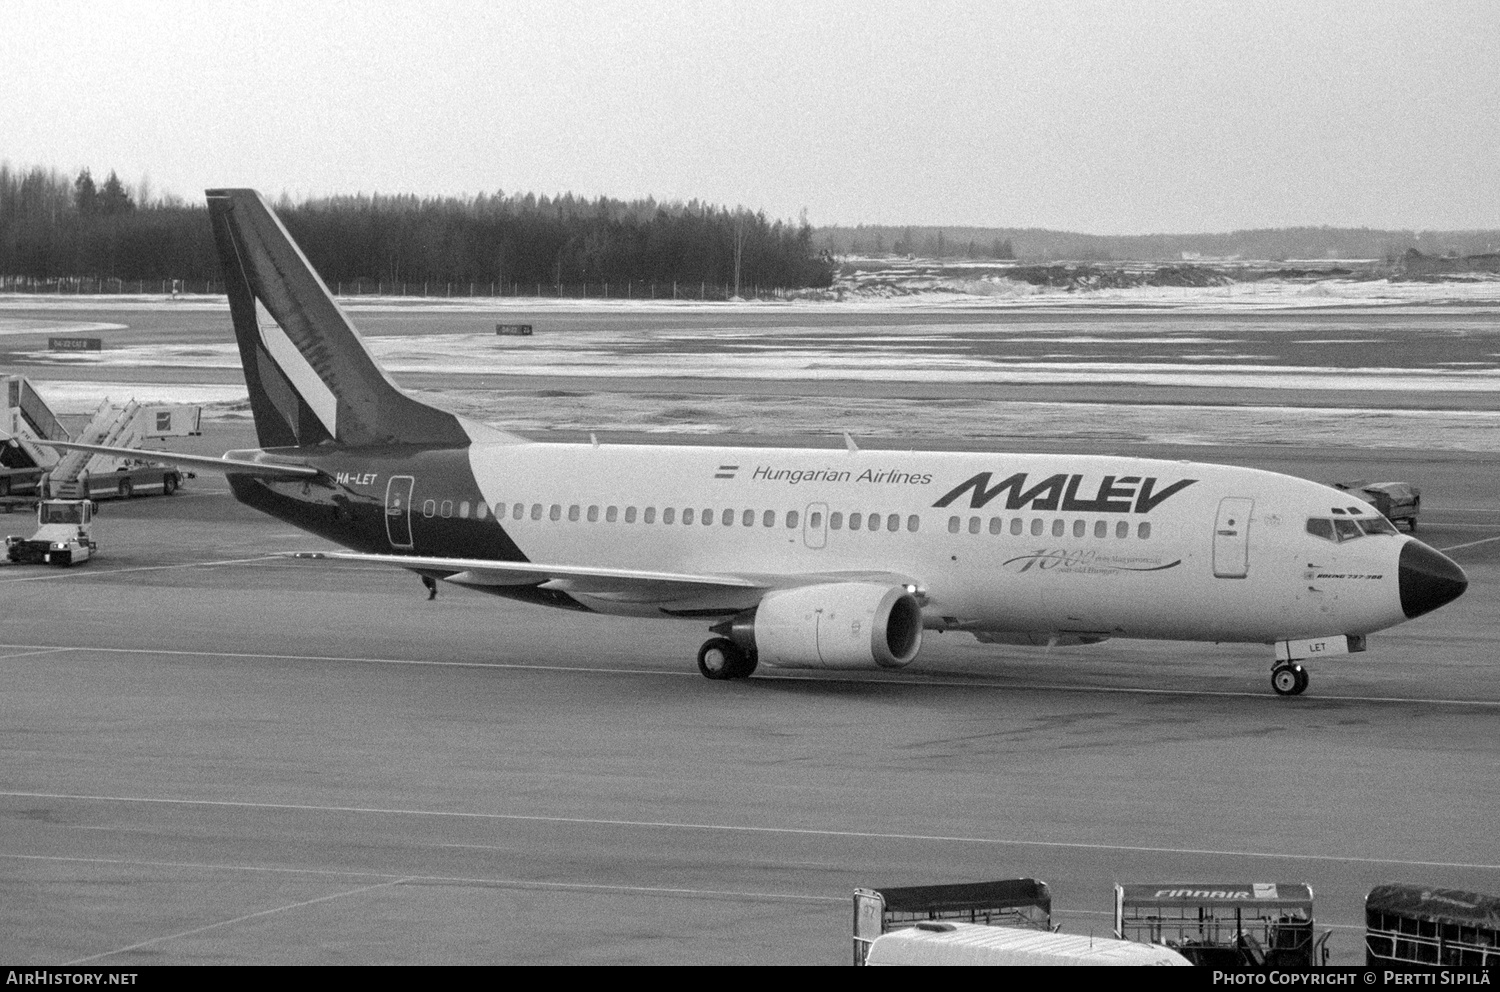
(56, 226)
(1041, 245)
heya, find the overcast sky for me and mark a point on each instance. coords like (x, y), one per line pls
(1112, 118)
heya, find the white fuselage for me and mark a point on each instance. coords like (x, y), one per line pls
(1078, 545)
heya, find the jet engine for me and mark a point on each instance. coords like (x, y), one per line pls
(838, 625)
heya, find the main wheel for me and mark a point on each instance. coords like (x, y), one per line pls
(1302, 680)
(126, 489)
(1286, 680)
(720, 659)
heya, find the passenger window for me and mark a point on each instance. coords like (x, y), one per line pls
(1122, 530)
(1037, 527)
(953, 525)
(518, 511)
(668, 515)
(1144, 530)
(429, 508)
(835, 521)
(481, 510)
(1058, 527)
(748, 520)
(973, 525)
(593, 514)
(1101, 528)
(728, 519)
(996, 525)
(463, 510)
(1347, 530)
(630, 514)
(815, 520)
(555, 511)
(1080, 528)
(893, 522)
(855, 519)
(707, 517)
(447, 508)
(1015, 525)
(573, 513)
(611, 514)
(687, 515)
(649, 516)
(791, 520)
(913, 522)
(768, 519)
(536, 511)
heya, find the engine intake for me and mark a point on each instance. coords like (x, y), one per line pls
(839, 625)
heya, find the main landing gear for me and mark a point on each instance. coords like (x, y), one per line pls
(1289, 680)
(720, 658)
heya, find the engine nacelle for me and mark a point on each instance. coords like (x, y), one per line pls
(839, 625)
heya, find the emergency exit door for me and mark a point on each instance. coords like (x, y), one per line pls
(1232, 538)
(398, 510)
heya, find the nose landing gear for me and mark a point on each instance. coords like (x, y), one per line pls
(1289, 680)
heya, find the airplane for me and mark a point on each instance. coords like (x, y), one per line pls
(794, 558)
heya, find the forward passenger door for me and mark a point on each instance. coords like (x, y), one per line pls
(1232, 538)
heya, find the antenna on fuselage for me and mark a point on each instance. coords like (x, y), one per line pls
(849, 443)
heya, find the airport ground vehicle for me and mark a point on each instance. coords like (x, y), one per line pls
(1409, 925)
(127, 480)
(1015, 902)
(64, 535)
(1396, 501)
(28, 464)
(1227, 926)
(943, 943)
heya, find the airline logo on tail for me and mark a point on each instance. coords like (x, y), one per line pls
(303, 379)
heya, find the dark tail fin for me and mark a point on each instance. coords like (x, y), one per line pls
(310, 377)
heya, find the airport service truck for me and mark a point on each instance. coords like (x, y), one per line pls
(28, 465)
(63, 537)
(1014, 902)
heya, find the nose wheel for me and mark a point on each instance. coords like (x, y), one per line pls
(720, 658)
(1289, 680)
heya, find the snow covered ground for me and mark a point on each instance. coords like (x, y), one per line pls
(817, 341)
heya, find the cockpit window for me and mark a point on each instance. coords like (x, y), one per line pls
(1347, 530)
(1340, 529)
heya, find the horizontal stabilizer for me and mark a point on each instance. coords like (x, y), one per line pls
(202, 463)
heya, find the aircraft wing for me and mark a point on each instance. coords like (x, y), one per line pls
(620, 584)
(202, 463)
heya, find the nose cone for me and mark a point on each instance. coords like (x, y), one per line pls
(1429, 579)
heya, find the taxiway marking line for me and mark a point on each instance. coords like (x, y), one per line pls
(404, 879)
(28, 654)
(584, 821)
(1457, 547)
(936, 681)
(70, 573)
(237, 919)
